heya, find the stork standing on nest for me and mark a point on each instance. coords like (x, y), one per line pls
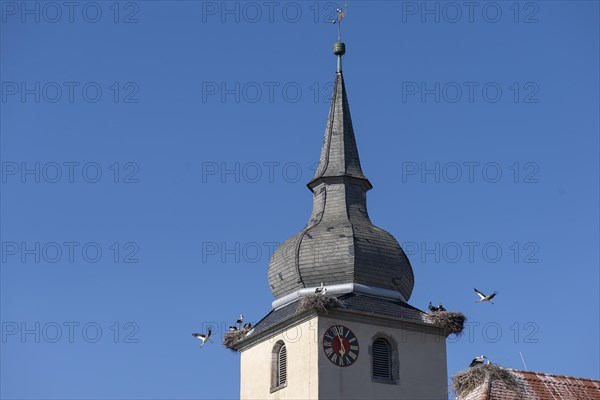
(321, 289)
(433, 308)
(203, 337)
(240, 320)
(477, 361)
(484, 297)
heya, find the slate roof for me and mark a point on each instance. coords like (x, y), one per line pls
(539, 386)
(339, 154)
(384, 307)
(340, 244)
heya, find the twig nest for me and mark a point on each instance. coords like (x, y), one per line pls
(452, 322)
(318, 302)
(464, 382)
(232, 337)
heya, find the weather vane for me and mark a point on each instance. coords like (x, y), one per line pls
(340, 16)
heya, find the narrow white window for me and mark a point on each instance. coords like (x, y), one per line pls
(282, 366)
(278, 366)
(382, 359)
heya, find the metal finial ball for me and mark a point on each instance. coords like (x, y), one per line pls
(339, 48)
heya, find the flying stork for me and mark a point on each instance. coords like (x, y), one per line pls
(483, 297)
(203, 337)
(477, 361)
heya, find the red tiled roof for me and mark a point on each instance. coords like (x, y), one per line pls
(539, 386)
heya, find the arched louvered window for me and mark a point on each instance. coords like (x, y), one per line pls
(279, 366)
(382, 359)
(282, 366)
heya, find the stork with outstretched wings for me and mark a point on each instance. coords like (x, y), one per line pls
(484, 297)
(203, 337)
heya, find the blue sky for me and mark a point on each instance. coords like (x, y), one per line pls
(153, 152)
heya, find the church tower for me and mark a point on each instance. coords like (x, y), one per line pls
(341, 326)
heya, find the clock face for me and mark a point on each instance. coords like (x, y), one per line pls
(340, 346)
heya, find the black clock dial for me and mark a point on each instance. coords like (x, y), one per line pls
(340, 345)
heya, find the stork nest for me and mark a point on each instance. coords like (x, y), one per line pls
(453, 322)
(464, 382)
(318, 302)
(231, 338)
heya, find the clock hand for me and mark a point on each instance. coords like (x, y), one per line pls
(342, 348)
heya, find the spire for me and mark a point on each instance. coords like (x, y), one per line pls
(340, 246)
(339, 155)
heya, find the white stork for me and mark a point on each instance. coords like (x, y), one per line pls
(247, 326)
(432, 308)
(477, 361)
(441, 307)
(483, 297)
(203, 337)
(240, 320)
(321, 289)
